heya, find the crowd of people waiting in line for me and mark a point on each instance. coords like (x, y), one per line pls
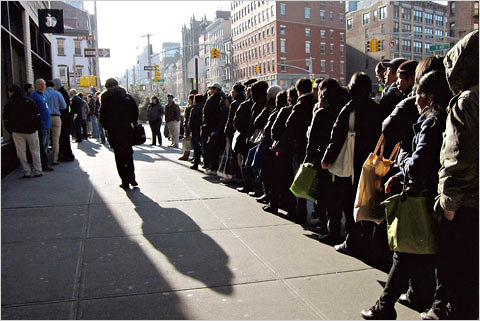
(430, 107)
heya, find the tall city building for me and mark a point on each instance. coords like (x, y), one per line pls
(216, 35)
(463, 17)
(404, 29)
(282, 41)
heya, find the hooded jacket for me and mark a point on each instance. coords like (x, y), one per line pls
(118, 114)
(298, 122)
(458, 175)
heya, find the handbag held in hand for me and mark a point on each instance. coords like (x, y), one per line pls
(343, 164)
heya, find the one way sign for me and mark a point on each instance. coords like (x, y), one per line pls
(104, 53)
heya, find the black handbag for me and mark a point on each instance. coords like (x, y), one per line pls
(138, 136)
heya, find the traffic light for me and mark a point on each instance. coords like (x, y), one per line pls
(257, 68)
(215, 53)
(379, 45)
(374, 45)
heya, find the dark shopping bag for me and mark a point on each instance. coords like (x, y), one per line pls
(410, 224)
(138, 135)
(225, 169)
(305, 182)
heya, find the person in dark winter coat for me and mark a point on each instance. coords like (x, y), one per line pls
(332, 98)
(22, 120)
(118, 115)
(238, 95)
(456, 296)
(212, 129)
(172, 120)
(241, 123)
(65, 150)
(193, 124)
(296, 129)
(77, 111)
(368, 119)
(155, 114)
(420, 174)
(391, 96)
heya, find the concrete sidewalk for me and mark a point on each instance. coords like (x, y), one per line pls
(181, 246)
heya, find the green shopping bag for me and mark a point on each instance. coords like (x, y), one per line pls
(305, 183)
(410, 225)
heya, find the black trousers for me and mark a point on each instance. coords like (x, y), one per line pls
(457, 271)
(64, 148)
(332, 197)
(197, 148)
(419, 270)
(77, 125)
(282, 178)
(124, 162)
(155, 127)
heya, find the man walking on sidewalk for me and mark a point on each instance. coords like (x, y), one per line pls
(172, 119)
(118, 115)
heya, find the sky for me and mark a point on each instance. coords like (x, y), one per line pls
(121, 25)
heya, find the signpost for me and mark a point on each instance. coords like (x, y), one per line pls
(148, 68)
(102, 52)
(89, 52)
(441, 46)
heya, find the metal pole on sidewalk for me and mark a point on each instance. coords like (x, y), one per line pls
(97, 65)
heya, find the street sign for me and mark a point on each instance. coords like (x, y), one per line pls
(148, 68)
(72, 74)
(104, 52)
(89, 52)
(393, 43)
(441, 46)
(85, 37)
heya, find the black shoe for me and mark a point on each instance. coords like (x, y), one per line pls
(325, 238)
(262, 199)
(243, 190)
(55, 163)
(133, 183)
(38, 175)
(47, 169)
(270, 209)
(377, 313)
(343, 248)
(125, 186)
(194, 166)
(254, 194)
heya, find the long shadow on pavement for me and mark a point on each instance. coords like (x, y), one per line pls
(208, 266)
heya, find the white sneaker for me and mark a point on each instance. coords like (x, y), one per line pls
(210, 172)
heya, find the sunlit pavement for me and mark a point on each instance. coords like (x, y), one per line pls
(181, 246)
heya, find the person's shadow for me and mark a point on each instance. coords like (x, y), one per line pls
(89, 147)
(174, 234)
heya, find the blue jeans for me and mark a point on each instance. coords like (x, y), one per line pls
(43, 139)
(94, 121)
(101, 131)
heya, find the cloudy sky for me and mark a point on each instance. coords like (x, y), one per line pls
(121, 25)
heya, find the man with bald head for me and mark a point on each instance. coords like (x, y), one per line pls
(46, 123)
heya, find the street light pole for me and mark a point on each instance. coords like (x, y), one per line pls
(149, 60)
(97, 64)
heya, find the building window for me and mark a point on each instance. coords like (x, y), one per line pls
(383, 12)
(439, 33)
(366, 33)
(342, 36)
(395, 12)
(308, 65)
(331, 16)
(475, 11)
(273, 65)
(427, 46)
(439, 20)
(331, 33)
(349, 24)
(342, 50)
(342, 63)
(307, 13)
(322, 15)
(428, 18)
(307, 32)
(282, 8)
(307, 47)
(406, 14)
(366, 18)
(331, 65)
(282, 45)
(331, 48)
(322, 34)
(322, 48)
(341, 17)
(406, 45)
(406, 27)
(322, 65)
(375, 15)
(417, 46)
(78, 48)
(428, 33)
(417, 16)
(417, 30)
(283, 68)
(452, 28)
(282, 29)
(452, 8)
(273, 46)
(60, 47)
(382, 28)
